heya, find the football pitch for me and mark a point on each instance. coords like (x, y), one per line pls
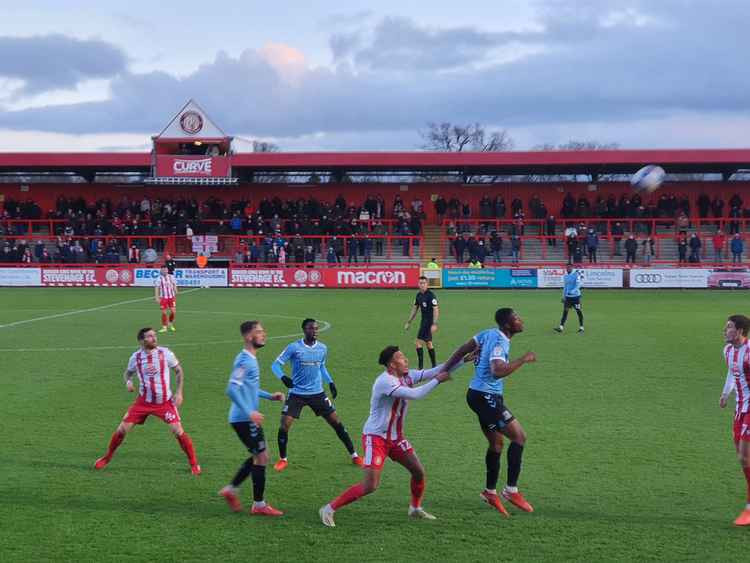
(629, 456)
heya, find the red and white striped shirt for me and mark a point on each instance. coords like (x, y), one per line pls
(167, 286)
(152, 368)
(738, 366)
(390, 401)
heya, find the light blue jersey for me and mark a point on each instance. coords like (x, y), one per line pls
(572, 284)
(308, 367)
(493, 345)
(244, 387)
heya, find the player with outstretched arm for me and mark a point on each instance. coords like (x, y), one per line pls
(485, 397)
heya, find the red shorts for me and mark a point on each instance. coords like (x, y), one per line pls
(741, 427)
(168, 303)
(377, 449)
(141, 410)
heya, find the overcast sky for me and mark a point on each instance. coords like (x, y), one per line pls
(318, 76)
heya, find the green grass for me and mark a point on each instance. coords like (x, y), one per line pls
(628, 455)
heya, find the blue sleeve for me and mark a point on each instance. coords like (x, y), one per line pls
(236, 393)
(278, 366)
(278, 369)
(263, 394)
(324, 370)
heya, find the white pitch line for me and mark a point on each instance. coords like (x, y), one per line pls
(326, 326)
(90, 310)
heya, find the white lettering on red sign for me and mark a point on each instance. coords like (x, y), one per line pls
(201, 166)
(371, 278)
(68, 276)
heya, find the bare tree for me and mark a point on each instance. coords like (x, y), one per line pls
(268, 177)
(450, 137)
(571, 145)
(265, 146)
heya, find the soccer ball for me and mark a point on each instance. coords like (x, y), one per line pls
(648, 178)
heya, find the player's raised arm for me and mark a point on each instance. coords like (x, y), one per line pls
(458, 356)
(501, 368)
(416, 393)
(277, 367)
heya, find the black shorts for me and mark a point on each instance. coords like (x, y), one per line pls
(574, 302)
(490, 409)
(425, 331)
(320, 404)
(251, 435)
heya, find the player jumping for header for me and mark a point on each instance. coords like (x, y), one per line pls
(485, 398)
(572, 282)
(308, 358)
(152, 364)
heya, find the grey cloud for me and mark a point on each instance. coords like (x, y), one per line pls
(400, 44)
(49, 62)
(683, 63)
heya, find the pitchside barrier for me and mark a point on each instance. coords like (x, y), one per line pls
(380, 276)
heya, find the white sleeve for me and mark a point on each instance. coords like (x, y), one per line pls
(418, 375)
(728, 385)
(414, 393)
(132, 368)
(387, 384)
(172, 360)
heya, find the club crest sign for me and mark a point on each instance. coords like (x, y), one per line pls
(191, 122)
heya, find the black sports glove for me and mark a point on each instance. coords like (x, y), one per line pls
(286, 380)
(334, 391)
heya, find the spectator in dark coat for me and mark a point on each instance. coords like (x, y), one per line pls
(695, 248)
(550, 230)
(737, 247)
(631, 247)
(592, 244)
(682, 247)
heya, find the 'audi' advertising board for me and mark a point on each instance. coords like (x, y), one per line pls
(669, 278)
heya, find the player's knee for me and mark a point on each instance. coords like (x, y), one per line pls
(261, 458)
(418, 473)
(520, 438)
(124, 428)
(176, 429)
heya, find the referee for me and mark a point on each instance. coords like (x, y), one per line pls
(571, 297)
(427, 303)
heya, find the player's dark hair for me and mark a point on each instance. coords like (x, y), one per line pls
(387, 355)
(304, 323)
(503, 316)
(422, 278)
(142, 333)
(741, 323)
(248, 326)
